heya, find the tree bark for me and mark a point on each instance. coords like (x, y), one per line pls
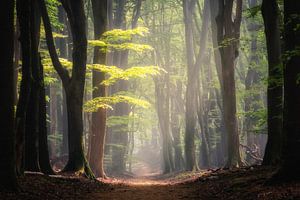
(190, 118)
(32, 113)
(271, 16)
(74, 85)
(228, 36)
(289, 169)
(23, 13)
(99, 90)
(8, 178)
(44, 160)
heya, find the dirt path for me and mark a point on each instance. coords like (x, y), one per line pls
(146, 188)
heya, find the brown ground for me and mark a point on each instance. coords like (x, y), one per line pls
(222, 184)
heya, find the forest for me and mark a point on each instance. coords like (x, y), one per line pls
(149, 99)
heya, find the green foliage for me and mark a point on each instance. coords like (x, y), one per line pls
(106, 102)
(116, 73)
(120, 40)
(253, 12)
(113, 72)
(121, 36)
(52, 7)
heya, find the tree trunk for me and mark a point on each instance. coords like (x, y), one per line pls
(289, 169)
(99, 117)
(271, 15)
(176, 127)
(74, 85)
(222, 144)
(23, 12)
(190, 117)
(32, 113)
(228, 36)
(44, 159)
(8, 178)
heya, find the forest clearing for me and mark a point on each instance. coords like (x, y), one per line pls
(149, 99)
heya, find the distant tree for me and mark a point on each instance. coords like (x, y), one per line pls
(8, 178)
(190, 127)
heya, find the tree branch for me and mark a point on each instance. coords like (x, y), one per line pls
(62, 72)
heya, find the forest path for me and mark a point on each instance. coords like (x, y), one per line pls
(236, 184)
(158, 187)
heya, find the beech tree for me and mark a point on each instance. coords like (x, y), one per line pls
(289, 169)
(73, 84)
(8, 179)
(228, 33)
(271, 15)
(97, 139)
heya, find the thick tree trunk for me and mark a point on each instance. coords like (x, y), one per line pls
(271, 17)
(75, 88)
(8, 178)
(291, 144)
(98, 118)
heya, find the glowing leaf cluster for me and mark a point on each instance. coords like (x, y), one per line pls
(106, 102)
(119, 35)
(120, 40)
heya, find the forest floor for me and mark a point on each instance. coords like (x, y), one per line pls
(239, 184)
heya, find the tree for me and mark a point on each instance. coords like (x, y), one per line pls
(289, 169)
(99, 90)
(23, 13)
(228, 41)
(31, 157)
(8, 178)
(271, 15)
(74, 84)
(188, 9)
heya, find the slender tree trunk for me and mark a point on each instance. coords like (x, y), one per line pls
(228, 36)
(32, 113)
(44, 159)
(120, 59)
(74, 85)
(176, 127)
(271, 17)
(190, 118)
(99, 117)
(8, 178)
(222, 144)
(63, 53)
(23, 12)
